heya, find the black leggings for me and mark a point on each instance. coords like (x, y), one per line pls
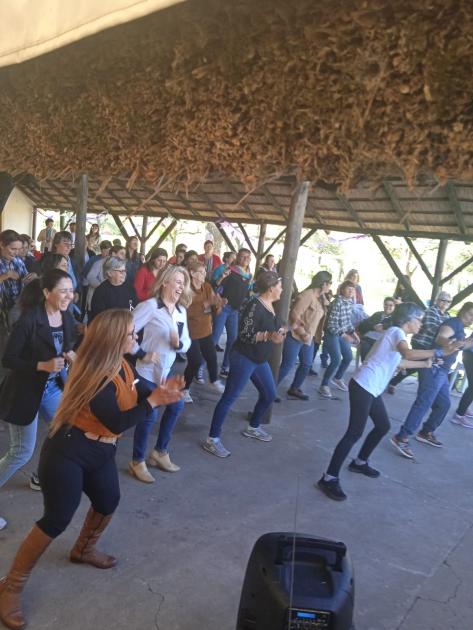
(362, 405)
(201, 349)
(70, 464)
(467, 397)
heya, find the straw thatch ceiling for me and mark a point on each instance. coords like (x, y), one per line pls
(428, 210)
(332, 90)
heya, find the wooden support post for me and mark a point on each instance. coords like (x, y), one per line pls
(165, 234)
(260, 249)
(144, 231)
(419, 259)
(439, 265)
(288, 265)
(120, 226)
(34, 225)
(460, 268)
(81, 218)
(225, 237)
(397, 272)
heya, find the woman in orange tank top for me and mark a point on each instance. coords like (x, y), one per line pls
(103, 397)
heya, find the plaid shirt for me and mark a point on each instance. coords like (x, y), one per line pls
(338, 320)
(11, 289)
(431, 322)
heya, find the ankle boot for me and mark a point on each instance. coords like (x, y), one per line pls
(11, 586)
(84, 550)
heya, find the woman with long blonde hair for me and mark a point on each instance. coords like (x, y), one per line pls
(102, 398)
(163, 319)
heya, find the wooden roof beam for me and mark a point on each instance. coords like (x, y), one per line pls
(274, 241)
(419, 259)
(396, 204)
(273, 201)
(453, 200)
(244, 204)
(225, 237)
(456, 271)
(351, 211)
(397, 272)
(247, 239)
(464, 293)
(120, 226)
(307, 236)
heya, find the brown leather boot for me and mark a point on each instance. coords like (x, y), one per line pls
(11, 586)
(84, 550)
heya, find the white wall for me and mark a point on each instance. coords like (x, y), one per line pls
(18, 213)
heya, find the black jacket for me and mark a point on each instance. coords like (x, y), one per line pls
(30, 341)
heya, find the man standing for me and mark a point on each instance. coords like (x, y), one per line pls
(46, 236)
(433, 318)
(434, 389)
(210, 260)
(72, 230)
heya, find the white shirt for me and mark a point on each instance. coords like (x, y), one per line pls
(157, 323)
(380, 365)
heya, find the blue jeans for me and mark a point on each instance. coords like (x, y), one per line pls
(339, 350)
(23, 438)
(241, 371)
(228, 319)
(292, 349)
(166, 427)
(434, 394)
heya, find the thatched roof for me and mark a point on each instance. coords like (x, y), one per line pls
(332, 90)
(427, 210)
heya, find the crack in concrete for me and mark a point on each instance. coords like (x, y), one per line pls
(159, 605)
(457, 586)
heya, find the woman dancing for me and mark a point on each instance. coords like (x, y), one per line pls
(102, 398)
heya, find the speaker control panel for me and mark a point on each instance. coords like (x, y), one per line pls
(309, 620)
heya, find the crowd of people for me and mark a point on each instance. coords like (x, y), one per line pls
(97, 347)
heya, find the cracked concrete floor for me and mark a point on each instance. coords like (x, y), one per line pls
(183, 542)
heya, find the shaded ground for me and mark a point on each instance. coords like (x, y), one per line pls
(183, 542)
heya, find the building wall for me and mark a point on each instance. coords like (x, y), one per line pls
(18, 213)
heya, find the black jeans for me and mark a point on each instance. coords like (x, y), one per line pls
(70, 464)
(199, 350)
(362, 405)
(467, 397)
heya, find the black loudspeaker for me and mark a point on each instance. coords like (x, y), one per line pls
(321, 576)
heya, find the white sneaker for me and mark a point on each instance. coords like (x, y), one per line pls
(3, 523)
(462, 420)
(324, 390)
(257, 433)
(187, 398)
(215, 447)
(338, 382)
(218, 386)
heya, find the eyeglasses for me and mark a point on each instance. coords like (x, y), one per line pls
(132, 334)
(446, 301)
(120, 270)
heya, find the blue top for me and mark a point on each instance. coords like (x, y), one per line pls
(456, 324)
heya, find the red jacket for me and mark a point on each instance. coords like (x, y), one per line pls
(216, 260)
(144, 280)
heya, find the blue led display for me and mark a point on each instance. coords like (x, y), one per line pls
(305, 615)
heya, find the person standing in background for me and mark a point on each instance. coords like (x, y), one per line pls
(210, 259)
(46, 236)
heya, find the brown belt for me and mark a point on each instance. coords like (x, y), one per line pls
(100, 438)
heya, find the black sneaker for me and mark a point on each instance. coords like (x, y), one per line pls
(364, 469)
(34, 482)
(312, 372)
(224, 373)
(297, 393)
(332, 489)
(218, 348)
(277, 399)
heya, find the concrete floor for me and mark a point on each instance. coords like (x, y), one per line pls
(183, 542)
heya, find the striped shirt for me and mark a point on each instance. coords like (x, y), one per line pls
(431, 322)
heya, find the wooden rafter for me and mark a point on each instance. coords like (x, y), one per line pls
(351, 211)
(244, 204)
(274, 241)
(247, 238)
(165, 234)
(396, 204)
(464, 293)
(419, 259)
(306, 237)
(120, 226)
(397, 272)
(456, 271)
(225, 237)
(273, 201)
